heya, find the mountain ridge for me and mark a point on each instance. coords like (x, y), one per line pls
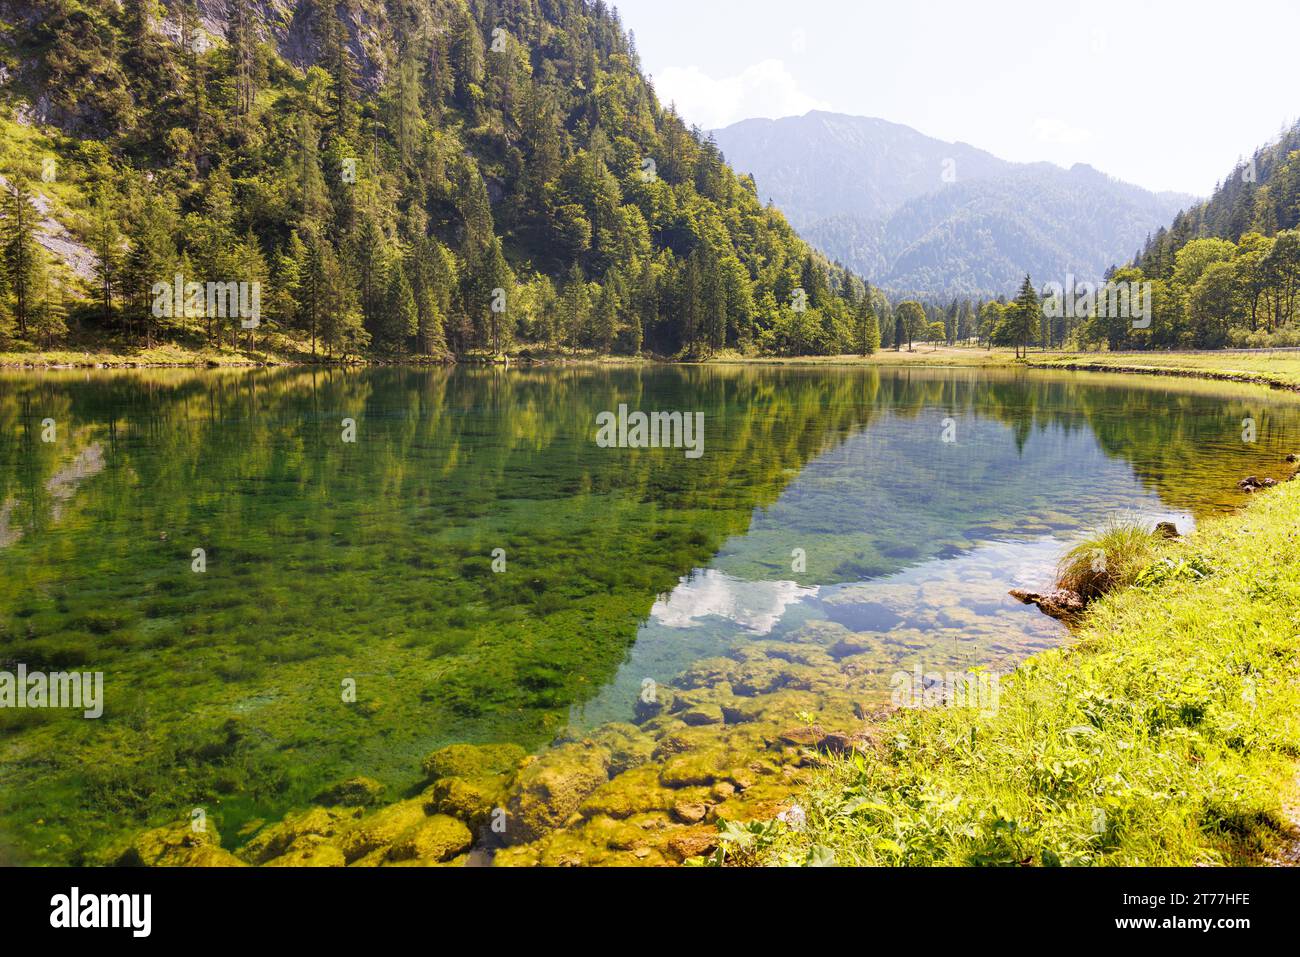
(919, 215)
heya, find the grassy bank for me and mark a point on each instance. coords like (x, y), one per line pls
(1167, 734)
(1280, 370)
(271, 349)
(95, 351)
(923, 355)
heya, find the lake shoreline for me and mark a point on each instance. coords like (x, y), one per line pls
(1215, 366)
(1177, 372)
(1161, 735)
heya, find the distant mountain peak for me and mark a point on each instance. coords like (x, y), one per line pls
(924, 216)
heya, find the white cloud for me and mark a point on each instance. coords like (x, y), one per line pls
(1053, 129)
(765, 89)
(756, 605)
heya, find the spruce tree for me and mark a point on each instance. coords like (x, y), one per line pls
(21, 252)
(866, 328)
(1024, 315)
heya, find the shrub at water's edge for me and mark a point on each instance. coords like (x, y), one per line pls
(1167, 735)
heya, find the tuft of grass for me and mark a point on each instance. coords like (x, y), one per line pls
(1112, 558)
(1165, 736)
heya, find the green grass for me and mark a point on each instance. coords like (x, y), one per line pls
(1109, 559)
(1167, 734)
(185, 347)
(1278, 369)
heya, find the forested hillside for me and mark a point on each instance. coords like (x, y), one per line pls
(1260, 195)
(395, 177)
(1227, 271)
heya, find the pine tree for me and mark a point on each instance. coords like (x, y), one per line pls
(20, 252)
(243, 57)
(194, 44)
(338, 62)
(400, 317)
(605, 322)
(314, 292)
(49, 312)
(369, 254)
(287, 283)
(432, 280)
(1024, 316)
(151, 260)
(489, 288)
(251, 269)
(407, 103)
(866, 328)
(575, 304)
(309, 186)
(107, 240)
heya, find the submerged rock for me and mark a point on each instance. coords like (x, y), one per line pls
(658, 703)
(693, 842)
(552, 788)
(702, 715)
(690, 812)
(379, 831)
(310, 852)
(633, 792)
(853, 644)
(629, 746)
(278, 839)
(473, 760)
(178, 845)
(354, 792)
(436, 838)
(471, 801)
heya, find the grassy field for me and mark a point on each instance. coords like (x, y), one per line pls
(921, 355)
(1167, 734)
(1277, 369)
(272, 348)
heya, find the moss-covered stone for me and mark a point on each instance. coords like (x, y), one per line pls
(707, 673)
(381, 829)
(693, 842)
(705, 766)
(551, 788)
(310, 853)
(178, 845)
(859, 644)
(470, 801)
(525, 855)
(354, 792)
(272, 841)
(629, 747)
(473, 761)
(654, 705)
(436, 838)
(702, 715)
(634, 792)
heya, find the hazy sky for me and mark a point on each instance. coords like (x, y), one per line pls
(1167, 95)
